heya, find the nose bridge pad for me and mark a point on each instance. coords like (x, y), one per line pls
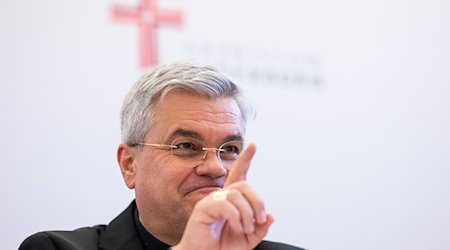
(215, 154)
(205, 154)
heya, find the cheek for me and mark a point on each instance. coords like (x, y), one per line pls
(161, 175)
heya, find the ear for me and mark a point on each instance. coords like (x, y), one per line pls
(126, 158)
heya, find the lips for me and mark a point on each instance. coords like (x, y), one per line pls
(202, 187)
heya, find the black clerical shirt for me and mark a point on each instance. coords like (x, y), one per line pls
(150, 242)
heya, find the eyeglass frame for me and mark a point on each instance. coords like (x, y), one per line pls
(206, 149)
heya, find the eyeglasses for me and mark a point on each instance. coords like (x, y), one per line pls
(195, 150)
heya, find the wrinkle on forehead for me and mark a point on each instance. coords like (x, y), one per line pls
(227, 126)
(223, 109)
(181, 132)
(207, 116)
(219, 117)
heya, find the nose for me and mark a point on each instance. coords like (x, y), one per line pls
(211, 166)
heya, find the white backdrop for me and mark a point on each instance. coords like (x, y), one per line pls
(353, 101)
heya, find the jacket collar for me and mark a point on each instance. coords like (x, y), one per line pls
(121, 233)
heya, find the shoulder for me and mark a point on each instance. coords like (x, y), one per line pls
(270, 245)
(120, 232)
(84, 238)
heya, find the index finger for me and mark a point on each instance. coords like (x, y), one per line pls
(241, 165)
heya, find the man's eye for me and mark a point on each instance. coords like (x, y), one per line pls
(231, 149)
(186, 146)
(186, 149)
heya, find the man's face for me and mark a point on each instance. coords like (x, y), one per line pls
(167, 187)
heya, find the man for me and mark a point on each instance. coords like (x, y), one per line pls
(182, 152)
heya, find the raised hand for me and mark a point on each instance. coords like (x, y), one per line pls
(233, 218)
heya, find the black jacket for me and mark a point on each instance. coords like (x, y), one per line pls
(120, 234)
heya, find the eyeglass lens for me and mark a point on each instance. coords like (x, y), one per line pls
(192, 149)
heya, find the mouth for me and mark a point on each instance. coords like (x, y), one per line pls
(201, 190)
(205, 190)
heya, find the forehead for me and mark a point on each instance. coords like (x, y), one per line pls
(208, 118)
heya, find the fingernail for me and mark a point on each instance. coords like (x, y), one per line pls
(263, 217)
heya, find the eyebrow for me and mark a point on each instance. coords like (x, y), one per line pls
(195, 135)
(236, 137)
(185, 133)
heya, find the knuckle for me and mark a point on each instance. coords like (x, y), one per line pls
(239, 185)
(234, 194)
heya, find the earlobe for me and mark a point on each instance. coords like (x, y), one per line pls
(126, 160)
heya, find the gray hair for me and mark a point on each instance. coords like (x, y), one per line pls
(137, 114)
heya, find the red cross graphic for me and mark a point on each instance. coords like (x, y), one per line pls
(148, 17)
